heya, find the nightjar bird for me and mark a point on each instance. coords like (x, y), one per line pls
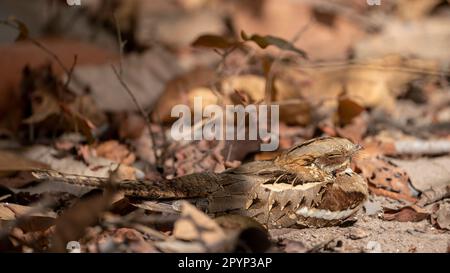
(310, 185)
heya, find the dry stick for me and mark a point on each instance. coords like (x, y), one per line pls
(45, 49)
(121, 44)
(139, 107)
(125, 86)
(72, 68)
(360, 64)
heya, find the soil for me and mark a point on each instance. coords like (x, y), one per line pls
(370, 233)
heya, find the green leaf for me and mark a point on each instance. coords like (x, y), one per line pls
(265, 41)
(214, 41)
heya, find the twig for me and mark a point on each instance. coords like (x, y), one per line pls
(55, 57)
(360, 63)
(140, 109)
(121, 44)
(119, 75)
(69, 75)
(434, 194)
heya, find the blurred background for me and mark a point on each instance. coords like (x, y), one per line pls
(88, 88)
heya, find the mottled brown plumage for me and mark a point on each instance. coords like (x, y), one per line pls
(309, 185)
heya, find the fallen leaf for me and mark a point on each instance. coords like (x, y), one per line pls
(293, 108)
(442, 216)
(434, 194)
(71, 225)
(131, 125)
(214, 41)
(121, 240)
(15, 57)
(54, 107)
(144, 74)
(267, 40)
(93, 165)
(28, 218)
(116, 152)
(425, 173)
(398, 35)
(348, 110)
(284, 19)
(415, 9)
(355, 130)
(195, 231)
(11, 162)
(164, 22)
(406, 214)
(249, 235)
(382, 175)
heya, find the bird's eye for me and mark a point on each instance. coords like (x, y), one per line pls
(333, 156)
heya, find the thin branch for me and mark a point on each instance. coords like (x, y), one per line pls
(55, 57)
(139, 107)
(361, 63)
(119, 75)
(121, 44)
(72, 68)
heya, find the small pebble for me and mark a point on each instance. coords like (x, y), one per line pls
(373, 247)
(372, 208)
(357, 234)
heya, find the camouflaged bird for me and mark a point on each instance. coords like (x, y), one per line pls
(310, 185)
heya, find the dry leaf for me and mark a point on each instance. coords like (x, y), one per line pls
(161, 21)
(18, 55)
(200, 230)
(11, 162)
(348, 110)
(406, 214)
(28, 218)
(195, 225)
(145, 75)
(249, 235)
(293, 109)
(267, 40)
(426, 172)
(93, 165)
(284, 19)
(415, 9)
(71, 225)
(131, 125)
(116, 152)
(382, 174)
(356, 130)
(434, 194)
(442, 216)
(430, 37)
(214, 41)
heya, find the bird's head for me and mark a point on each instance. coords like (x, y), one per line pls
(331, 154)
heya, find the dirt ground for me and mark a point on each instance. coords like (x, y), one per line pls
(370, 233)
